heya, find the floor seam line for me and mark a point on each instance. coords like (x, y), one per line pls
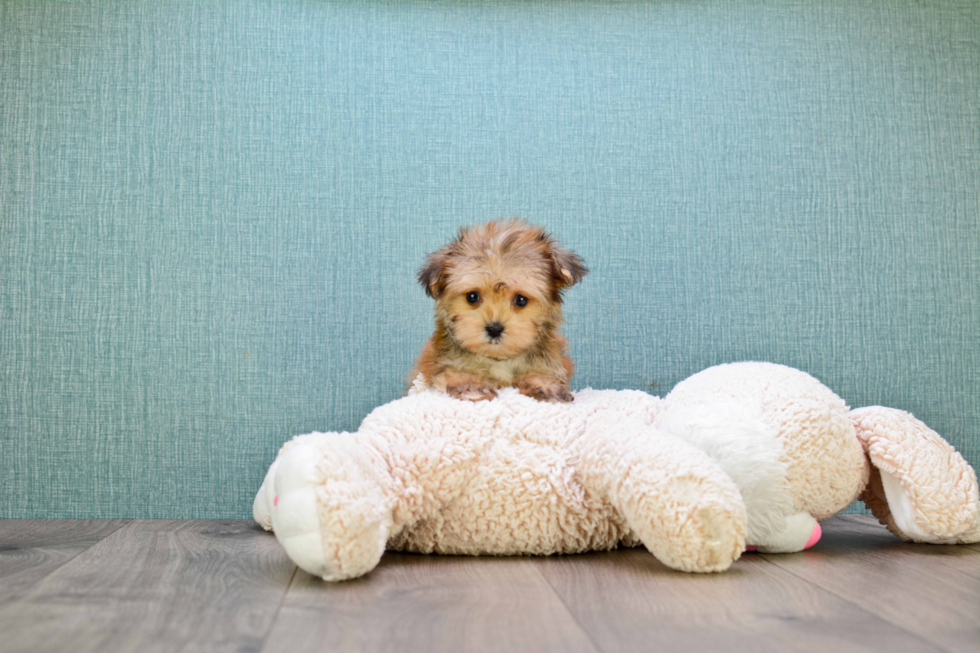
(858, 606)
(570, 612)
(275, 615)
(126, 522)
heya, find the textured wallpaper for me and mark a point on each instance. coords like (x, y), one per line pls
(211, 213)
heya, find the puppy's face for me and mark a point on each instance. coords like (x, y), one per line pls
(498, 286)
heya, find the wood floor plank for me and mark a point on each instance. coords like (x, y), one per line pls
(428, 603)
(30, 549)
(959, 557)
(627, 601)
(219, 585)
(156, 586)
(913, 586)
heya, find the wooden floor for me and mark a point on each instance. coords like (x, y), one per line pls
(227, 586)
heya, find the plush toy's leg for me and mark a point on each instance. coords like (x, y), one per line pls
(329, 510)
(920, 487)
(677, 500)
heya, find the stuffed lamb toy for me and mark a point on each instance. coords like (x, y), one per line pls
(746, 455)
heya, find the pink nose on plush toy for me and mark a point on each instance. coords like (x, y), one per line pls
(814, 538)
(275, 502)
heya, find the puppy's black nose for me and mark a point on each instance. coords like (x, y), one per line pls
(494, 329)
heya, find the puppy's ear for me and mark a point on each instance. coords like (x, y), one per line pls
(433, 272)
(569, 267)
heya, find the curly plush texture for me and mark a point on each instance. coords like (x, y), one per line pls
(923, 489)
(747, 454)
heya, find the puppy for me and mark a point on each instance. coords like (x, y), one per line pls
(498, 290)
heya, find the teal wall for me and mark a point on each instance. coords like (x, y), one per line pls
(211, 213)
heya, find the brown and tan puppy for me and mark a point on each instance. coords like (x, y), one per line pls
(498, 291)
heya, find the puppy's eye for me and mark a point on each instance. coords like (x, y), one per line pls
(520, 301)
(473, 297)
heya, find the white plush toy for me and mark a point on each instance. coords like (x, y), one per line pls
(741, 455)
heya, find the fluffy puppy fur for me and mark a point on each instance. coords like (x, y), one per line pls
(498, 290)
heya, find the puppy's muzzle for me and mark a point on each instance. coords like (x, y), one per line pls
(494, 330)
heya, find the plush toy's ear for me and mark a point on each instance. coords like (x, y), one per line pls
(921, 488)
(569, 266)
(433, 272)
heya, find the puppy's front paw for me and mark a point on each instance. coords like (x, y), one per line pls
(472, 390)
(564, 395)
(544, 388)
